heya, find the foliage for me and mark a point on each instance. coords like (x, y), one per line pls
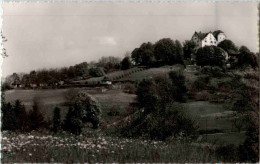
(96, 72)
(228, 46)
(126, 63)
(109, 63)
(129, 88)
(168, 51)
(144, 55)
(73, 122)
(213, 71)
(35, 116)
(188, 48)
(227, 153)
(56, 121)
(83, 108)
(114, 111)
(21, 116)
(8, 117)
(247, 58)
(159, 116)
(210, 55)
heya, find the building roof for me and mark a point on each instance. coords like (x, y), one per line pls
(215, 33)
(201, 35)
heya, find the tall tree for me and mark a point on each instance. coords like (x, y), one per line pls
(188, 48)
(56, 120)
(126, 63)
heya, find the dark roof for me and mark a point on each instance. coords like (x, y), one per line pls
(215, 33)
(201, 35)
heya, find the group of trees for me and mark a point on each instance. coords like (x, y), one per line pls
(52, 77)
(16, 117)
(82, 109)
(215, 55)
(159, 114)
(163, 52)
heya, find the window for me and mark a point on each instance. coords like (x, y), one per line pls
(211, 42)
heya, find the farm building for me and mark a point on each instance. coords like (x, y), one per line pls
(208, 39)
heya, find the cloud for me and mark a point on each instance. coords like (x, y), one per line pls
(107, 40)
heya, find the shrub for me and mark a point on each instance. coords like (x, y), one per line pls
(8, 118)
(158, 115)
(210, 55)
(129, 88)
(114, 111)
(227, 153)
(56, 120)
(88, 108)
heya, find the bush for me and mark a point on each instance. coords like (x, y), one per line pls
(213, 71)
(227, 153)
(200, 84)
(114, 111)
(126, 63)
(210, 55)
(96, 72)
(158, 116)
(129, 88)
(84, 109)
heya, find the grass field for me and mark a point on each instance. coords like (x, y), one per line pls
(210, 115)
(92, 147)
(51, 98)
(151, 73)
(224, 138)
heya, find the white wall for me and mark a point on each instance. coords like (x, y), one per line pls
(209, 40)
(221, 37)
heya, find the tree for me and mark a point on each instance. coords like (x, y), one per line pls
(21, 115)
(168, 51)
(35, 117)
(164, 50)
(81, 69)
(210, 55)
(9, 117)
(96, 72)
(56, 120)
(159, 116)
(126, 63)
(179, 89)
(228, 46)
(188, 48)
(247, 58)
(179, 52)
(144, 55)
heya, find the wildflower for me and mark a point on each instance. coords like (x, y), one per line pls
(30, 154)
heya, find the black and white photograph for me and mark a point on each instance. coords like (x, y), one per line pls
(129, 82)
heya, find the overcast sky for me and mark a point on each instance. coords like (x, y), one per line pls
(53, 35)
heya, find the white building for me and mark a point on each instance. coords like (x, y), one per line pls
(208, 39)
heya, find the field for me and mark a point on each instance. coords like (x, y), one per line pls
(133, 74)
(50, 98)
(93, 147)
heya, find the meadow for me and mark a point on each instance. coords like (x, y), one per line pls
(95, 147)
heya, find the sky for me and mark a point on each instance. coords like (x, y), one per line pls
(58, 34)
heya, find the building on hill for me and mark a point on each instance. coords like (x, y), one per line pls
(208, 39)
